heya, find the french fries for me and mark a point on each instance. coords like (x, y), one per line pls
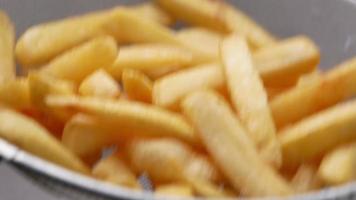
(194, 110)
(201, 40)
(174, 189)
(219, 16)
(29, 135)
(332, 87)
(137, 85)
(151, 11)
(153, 59)
(15, 93)
(169, 90)
(129, 117)
(115, 171)
(249, 97)
(81, 61)
(7, 40)
(338, 166)
(99, 84)
(231, 148)
(328, 129)
(173, 158)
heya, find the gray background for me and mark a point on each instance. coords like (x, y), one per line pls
(331, 23)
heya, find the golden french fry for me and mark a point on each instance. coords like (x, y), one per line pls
(332, 87)
(115, 171)
(162, 159)
(43, 42)
(338, 166)
(99, 84)
(86, 136)
(170, 89)
(249, 97)
(7, 40)
(202, 167)
(137, 85)
(81, 61)
(153, 59)
(152, 12)
(231, 148)
(282, 63)
(219, 16)
(201, 40)
(31, 136)
(272, 92)
(15, 93)
(307, 79)
(175, 189)
(327, 129)
(305, 179)
(129, 117)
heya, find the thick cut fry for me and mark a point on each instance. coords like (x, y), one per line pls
(309, 78)
(114, 170)
(327, 129)
(219, 16)
(153, 59)
(201, 40)
(7, 40)
(29, 135)
(174, 159)
(169, 90)
(152, 12)
(15, 93)
(339, 166)
(202, 167)
(249, 97)
(175, 189)
(81, 61)
(99, 84)
(305, 179)
(230, 147)
(137, 85)
(282, 63)
(43, 42)
(129, 117)
(86, 136)
(334, 86)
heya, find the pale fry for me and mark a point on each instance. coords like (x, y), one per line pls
(129, 117)
(327, 129)
(43, 42)
(169, 90)
(153, 59)
(7, 40)
(86, 136)
(249, 97)
(230, 147)
(152, 12)
(332, 87)
(201, 40)
(282, 63)
(115, 171)
(174, 189)
(305, 179)
(137, 85)
(99, 84)
(209, 189)
(339, 166)
(81, 61)
(29, 135)
(15, 93)
(202, 167)
(219, 16)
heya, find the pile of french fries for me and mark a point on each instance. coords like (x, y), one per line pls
(218, 108)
